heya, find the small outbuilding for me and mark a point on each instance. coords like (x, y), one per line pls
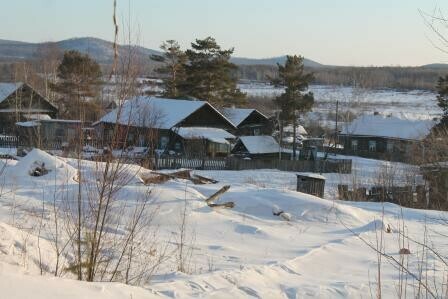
(202, 141)
(311, 183)
(259, 147)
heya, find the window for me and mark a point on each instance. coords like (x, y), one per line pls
(177, 146)
(59, 132)
(390, 146)
(141, 140)
(164, 142)
(372, 146)
(257, 131)
(354, 145)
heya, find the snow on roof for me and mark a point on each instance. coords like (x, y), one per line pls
(6, 89)
(31, 123)
(212, 134)
(389, 126)
(311, 175)
(37, 116)
(238, 115)
(260, 144)
(300, 130)
(159, 113)
(56, 120)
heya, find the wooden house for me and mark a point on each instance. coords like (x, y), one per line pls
(167, 126)
(20, 102)
(259, 147)
(385, 137)
(249, 122)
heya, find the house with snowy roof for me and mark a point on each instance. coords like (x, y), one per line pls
(259, 147)
(193, 128)
(249, 122)
(385, 137)
(20, 102)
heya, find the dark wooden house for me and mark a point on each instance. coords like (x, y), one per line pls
(249, 122)
(156, 122)
(385, 137)
(20, 102)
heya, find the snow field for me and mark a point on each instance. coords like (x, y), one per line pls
(242, 252)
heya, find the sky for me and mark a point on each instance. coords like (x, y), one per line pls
(334, 32)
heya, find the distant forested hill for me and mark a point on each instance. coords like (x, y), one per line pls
(423, 77)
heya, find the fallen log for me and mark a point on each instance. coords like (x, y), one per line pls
(205, 179)
(159, 177)
(217, 194)
(182, 174)
(228, 205)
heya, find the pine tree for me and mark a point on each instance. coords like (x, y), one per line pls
(78, 84)
(295, 80)
(173, 69)
(442, 100)
(210, 75)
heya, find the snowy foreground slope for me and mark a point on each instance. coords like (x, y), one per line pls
(241, 252)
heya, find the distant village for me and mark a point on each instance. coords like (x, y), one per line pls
(194, 116)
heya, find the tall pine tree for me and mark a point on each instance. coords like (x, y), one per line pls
(294, 99)
(210, 75)
(173, 68)
(79, 79)
(442, 101)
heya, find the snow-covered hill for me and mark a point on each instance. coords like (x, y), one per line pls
(244, 252)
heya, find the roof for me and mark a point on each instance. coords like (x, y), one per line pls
(212, 134)
(31, 123)
(37, 122)
(152, 112)
(6, 89)
(389, 127)
(300, 130)
(311, 175)
(37, 116)
(238, 115)
(260, 144)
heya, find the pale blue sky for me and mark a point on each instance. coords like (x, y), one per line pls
(340, 32)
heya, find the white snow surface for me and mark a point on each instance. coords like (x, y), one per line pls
(314, 251)
(260, 144)
(212, 134)
(389, 126)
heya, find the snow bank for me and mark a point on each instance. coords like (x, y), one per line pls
(57, 167)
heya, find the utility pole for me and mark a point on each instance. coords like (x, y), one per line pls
(336, 127)
(294, 144)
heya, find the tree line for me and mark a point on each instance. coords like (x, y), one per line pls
(402, 78)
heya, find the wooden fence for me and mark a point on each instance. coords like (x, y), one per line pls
(318, 166)
(9, 141)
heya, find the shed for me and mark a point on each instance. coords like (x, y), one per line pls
(311, 183)
(259, 147)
